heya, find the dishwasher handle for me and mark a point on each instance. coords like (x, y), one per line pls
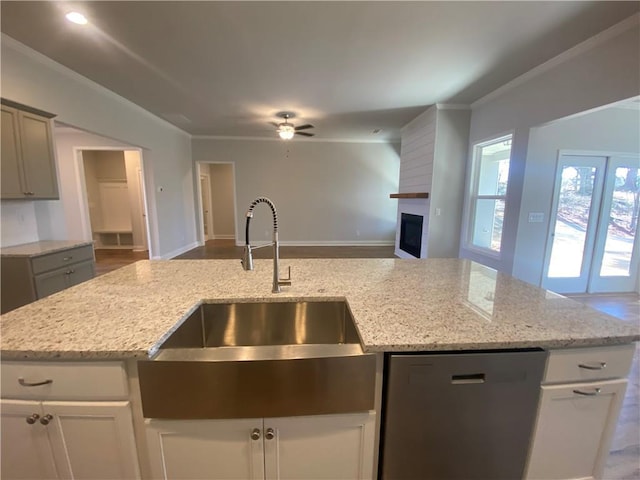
(467, 379)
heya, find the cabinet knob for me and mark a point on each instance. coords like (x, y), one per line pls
(46, 419)
(269, 434)
(255, 434)
(31, 419)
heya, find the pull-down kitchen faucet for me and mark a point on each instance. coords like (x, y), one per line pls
(247, 258)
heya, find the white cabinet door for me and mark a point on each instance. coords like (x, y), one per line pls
(575, 426)
(331, 447)
(206, 449)
(92, 440)
(26, 451)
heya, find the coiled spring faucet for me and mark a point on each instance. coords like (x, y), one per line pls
(247, 257)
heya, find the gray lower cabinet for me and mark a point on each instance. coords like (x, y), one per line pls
(29, 278)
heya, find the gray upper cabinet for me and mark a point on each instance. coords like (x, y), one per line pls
(28, 160)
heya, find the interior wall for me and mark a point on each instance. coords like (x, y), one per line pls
(608, 130)
(19, 223)
(133, 168)
(222, 202)
(32, 79)
(75, 217)
(604, 71)
(325, 192)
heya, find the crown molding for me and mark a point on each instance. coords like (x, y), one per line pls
(6, 40)
(585, 46)
(294, 140)
(452, 106)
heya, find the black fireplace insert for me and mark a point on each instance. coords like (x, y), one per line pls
(411, 234)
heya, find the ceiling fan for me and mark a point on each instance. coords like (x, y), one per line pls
(287, 130)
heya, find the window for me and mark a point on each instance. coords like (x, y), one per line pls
(489, 193)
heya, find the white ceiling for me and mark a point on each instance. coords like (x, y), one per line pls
(226, 68)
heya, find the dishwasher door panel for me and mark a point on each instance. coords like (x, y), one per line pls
(460, 416)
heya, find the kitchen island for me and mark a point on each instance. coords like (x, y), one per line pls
(401, 306)
(398, 305)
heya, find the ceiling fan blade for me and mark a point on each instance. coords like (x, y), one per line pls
(304, 127)
(305, 134)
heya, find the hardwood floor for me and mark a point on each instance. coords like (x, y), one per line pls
(111, 259)
(227, 249)
(623, 462)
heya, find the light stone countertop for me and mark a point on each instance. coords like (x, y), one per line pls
(41, 248)
(398, 305)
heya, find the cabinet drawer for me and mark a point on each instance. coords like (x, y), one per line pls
(44, 263)
(587, 364)
(57, 280)
(70, 380)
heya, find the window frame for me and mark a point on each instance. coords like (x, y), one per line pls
(473, 195)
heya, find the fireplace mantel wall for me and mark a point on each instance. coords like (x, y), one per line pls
(433, 158)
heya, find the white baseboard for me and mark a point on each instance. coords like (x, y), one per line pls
(175, 253)
(327, 243)
(224, 237)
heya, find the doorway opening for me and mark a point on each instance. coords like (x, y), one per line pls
(593, 245)
(115, 199)
(216, 203)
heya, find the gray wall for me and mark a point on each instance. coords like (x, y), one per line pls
(605, 71)
(325, 192)
(222, 183)
(610, 130)
(449, 169)
(34, 80)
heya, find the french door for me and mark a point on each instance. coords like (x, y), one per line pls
(593, 243)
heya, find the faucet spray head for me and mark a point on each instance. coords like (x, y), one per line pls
(247, 258)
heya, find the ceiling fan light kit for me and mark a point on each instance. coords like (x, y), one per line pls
(287, 130)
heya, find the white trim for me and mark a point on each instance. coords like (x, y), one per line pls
(224, 237)
(176, 252)
(305, 140)
(563, 57)
(453, 106)
(48, 62)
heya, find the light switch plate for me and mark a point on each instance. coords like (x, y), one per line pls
(536, 217)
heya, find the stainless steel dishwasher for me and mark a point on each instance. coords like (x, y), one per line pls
(459, 415)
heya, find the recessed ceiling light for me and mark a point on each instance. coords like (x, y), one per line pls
(77, 17)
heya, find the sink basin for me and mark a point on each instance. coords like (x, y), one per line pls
(263, 324)
(260, 359)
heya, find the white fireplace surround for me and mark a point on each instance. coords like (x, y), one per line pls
(414, 207)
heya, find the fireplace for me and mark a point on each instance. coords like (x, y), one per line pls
(411, 234)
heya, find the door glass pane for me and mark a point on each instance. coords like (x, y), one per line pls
(570, 229)
(488, 221)
(622, 225)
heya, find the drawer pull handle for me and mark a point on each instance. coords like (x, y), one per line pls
(66, 259)
(595, 392)
(598, 366)
(69, 272)
(22, 382)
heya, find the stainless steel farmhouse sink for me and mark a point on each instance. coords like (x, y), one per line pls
(260, 359)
